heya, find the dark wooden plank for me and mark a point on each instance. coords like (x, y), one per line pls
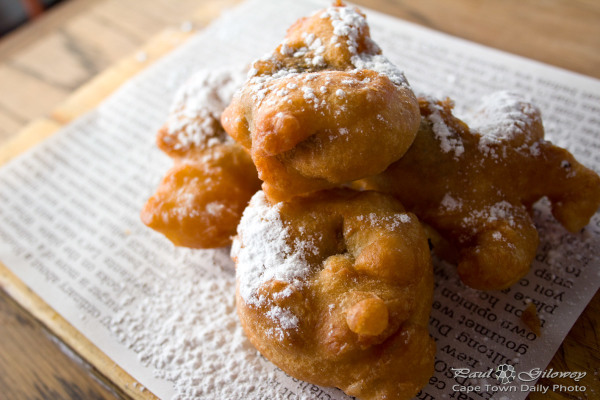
(35, 366)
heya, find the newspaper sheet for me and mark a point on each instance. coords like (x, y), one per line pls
(69, 225)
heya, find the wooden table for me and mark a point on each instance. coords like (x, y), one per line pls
(44, 62)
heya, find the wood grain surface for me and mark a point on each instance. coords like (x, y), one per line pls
(20, 380)
(42, 64)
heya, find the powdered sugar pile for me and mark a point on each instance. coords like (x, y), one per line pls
(499, 118)
(189, 332)
(502, 116)
(380, 64)
(314, 46)
(450, 203)
(264, 252)
(194, 118)
(347, 23)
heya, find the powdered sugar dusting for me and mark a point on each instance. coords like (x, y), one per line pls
(348, 25)
(197, 107)
(388, 222)
(286, 319)
(189, 333)
(264, 251)
(500, 211)
(449, 141)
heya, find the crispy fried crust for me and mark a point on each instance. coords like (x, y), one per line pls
(476, 188)
(325, 108)
(201, 199)
(358, 318)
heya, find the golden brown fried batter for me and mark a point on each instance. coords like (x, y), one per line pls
(324, 108)
(476, 186)
(201, 199)
(336, 289)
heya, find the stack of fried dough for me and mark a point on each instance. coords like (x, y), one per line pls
(360, 178)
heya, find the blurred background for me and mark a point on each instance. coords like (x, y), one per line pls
(16, 12)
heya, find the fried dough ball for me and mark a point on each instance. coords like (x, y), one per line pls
(201, 199)
(336, 288)
(324, 108)
(476, 186)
